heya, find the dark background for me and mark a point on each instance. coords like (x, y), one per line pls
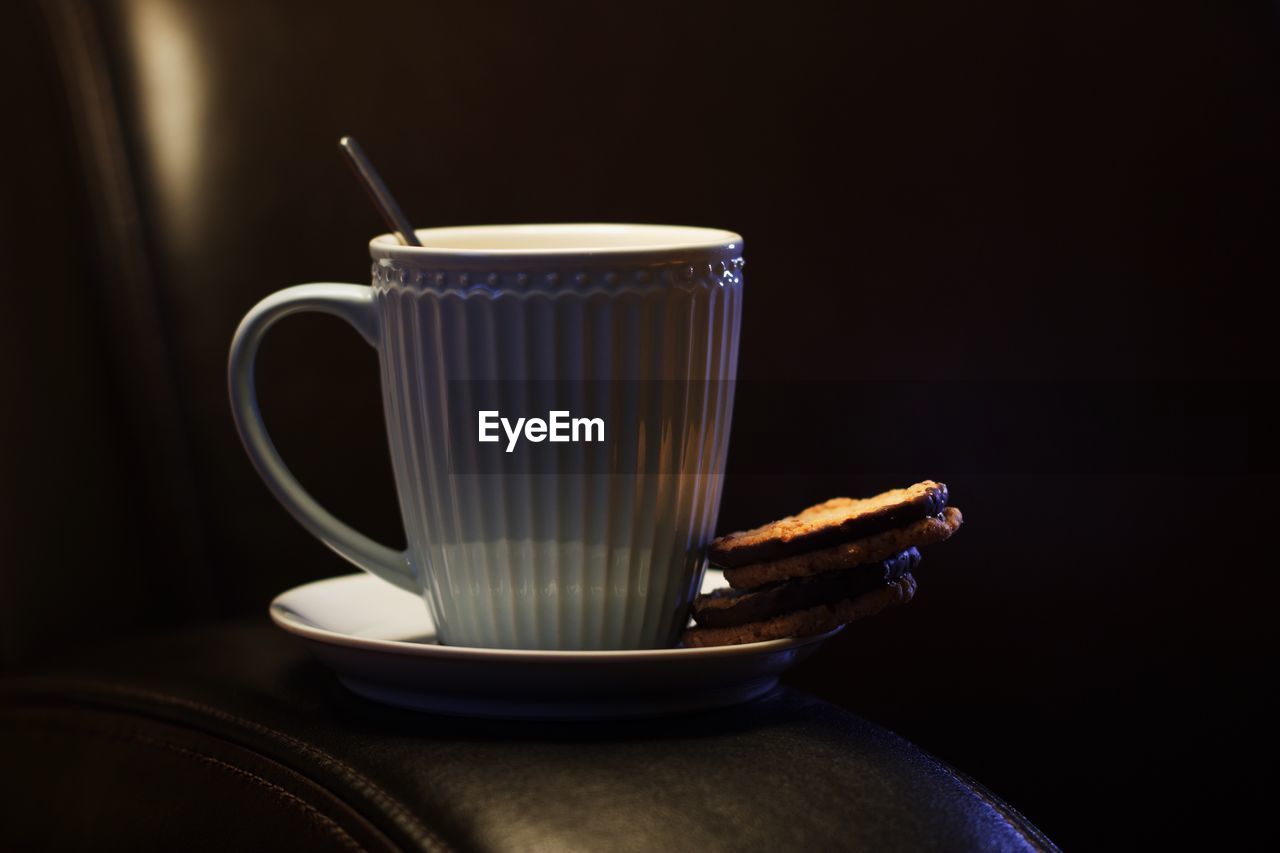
(1027, 249)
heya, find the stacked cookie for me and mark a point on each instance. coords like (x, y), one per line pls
(834, 563)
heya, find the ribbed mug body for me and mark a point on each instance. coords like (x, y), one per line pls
(604, 549)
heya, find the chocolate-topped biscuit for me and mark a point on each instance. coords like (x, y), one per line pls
(806, 623)
(828, 524)
(724, 608)
(881, 546)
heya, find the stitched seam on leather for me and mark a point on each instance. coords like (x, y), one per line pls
(331, 826)
(398, 811)
(1026, 830)
(1013, 818)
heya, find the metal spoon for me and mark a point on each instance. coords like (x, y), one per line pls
(382, 198)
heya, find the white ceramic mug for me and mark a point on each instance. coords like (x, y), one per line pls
(596, 546)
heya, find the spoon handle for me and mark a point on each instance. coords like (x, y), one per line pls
(382, 198)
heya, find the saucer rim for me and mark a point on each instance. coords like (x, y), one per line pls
(286, 620)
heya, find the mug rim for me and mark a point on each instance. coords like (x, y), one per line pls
(682, 242)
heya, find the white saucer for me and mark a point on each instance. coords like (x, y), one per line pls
(381, 643)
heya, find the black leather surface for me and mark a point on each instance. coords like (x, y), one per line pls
(231, 737)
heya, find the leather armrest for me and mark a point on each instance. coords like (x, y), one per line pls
(230, 736)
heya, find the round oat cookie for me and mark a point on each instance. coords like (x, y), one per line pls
(724, 608)
(881, 546)
(806, 623)
(829, 523)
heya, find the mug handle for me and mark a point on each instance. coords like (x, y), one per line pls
(353, 303)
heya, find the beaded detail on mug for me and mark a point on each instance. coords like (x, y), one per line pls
(391, 275)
